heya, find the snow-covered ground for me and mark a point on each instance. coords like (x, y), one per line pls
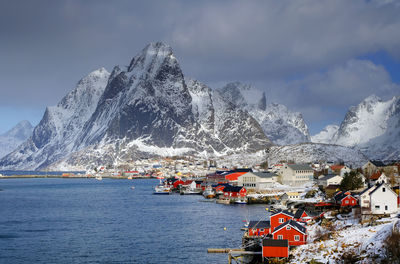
(348, 237)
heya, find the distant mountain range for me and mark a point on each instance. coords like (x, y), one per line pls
(10, 140)
(150, 109)
(373, 127)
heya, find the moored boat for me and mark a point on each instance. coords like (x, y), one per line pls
(223, 200)
(209, 192)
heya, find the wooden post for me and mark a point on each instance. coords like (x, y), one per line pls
(229, 258)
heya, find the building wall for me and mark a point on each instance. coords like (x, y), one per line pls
(290, 236)
(275, 220)
(382, 199)
(295, 177)
(275, 252)
(258, 231)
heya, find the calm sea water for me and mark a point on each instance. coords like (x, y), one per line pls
(90, 221)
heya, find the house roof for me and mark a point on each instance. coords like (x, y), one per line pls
(231, 188)
(379, 185)
(328, 177)
(367, 189)
(377, 163)
(337, 167)
(275, 243)
(265, 174)
(299, 213)
(283, 212)
(292, 223)
(341, 195)
(234, 176)
(259, 224)
(300, 167)
(376, 175)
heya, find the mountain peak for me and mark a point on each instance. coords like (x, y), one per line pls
(372, 99)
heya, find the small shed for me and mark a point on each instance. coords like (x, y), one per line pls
(275, 248)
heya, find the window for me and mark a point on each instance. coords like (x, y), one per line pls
(383, 189)
(261, 229)
(296, 238)
(280, 220)
(280, 237)
(386, 207)
(377, 207)
(288, 228)
(346, 202)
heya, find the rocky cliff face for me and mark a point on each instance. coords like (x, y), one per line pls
(145, 109)
(14, 137)
(280, 125)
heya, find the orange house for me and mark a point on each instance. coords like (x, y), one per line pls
(279, 218)
(291, 230)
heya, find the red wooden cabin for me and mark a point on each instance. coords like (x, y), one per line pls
(235, 191)
(302, 216)
(275, 248)
(291, 230)
(279, 218)
(345, 199)
(259, 228)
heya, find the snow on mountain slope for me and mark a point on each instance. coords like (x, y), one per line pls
(145, 109)
(10, 140)
(55, 136)
(326, 135)
(363, 122)
(310, 152)
(279, 124)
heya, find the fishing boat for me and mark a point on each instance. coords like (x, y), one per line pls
(162, 189)
(241, 200)
(190, 189)
(223, 200)
(209, 192)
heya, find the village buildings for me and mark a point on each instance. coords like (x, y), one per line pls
(296, 174)
(378, 199)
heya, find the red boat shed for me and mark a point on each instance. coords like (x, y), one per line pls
(235, 191)
(291, 230)
(275, 248)
(302, 216)
(345, 199)
(280, 217)
(259, 228)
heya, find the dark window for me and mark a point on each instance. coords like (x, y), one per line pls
(383, 189)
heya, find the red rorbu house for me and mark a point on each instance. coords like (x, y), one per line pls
(302, 216)
(275, 248)
(235, 191)
(259, 228)
(291, 230)
(345, 199)
(280, 217)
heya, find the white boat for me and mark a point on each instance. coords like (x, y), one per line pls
(223, 200)
(209, 192)
(241, 201)
(98, 177)
(162, 189)
(133, 187)
(190, 189)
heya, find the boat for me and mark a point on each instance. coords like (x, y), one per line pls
(209, 192)
(98, 177)
(223, 200)
(241, 201)
(133, 187)
(190, 189)
(162, 189)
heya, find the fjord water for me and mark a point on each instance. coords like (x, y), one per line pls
(88, 221)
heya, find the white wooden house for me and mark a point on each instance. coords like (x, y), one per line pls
(329, 179)
(378, 199)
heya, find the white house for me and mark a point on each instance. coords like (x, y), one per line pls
(257, 180)
(329, 179)
(378, 199)
(378, 178)
(292, 196)
(296, 174)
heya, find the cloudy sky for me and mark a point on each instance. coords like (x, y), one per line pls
(317, 57)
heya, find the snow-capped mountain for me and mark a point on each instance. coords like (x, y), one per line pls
(372, 126)
(56, 134)
(11, 139)
(146, 108)
(280, 125)
(326, 135)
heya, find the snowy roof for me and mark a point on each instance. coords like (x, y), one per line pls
(283, 212)
(377, 163)
(294, 224)
(264, 174)
(328, 176)
(259, 224)
(300, 167)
